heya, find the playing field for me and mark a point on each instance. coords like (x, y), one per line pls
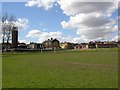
(63, 69)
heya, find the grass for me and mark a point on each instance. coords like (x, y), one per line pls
(63, 69)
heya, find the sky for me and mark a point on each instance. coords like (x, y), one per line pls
(71, 21)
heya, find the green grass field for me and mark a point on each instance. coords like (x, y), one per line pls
(63, 69)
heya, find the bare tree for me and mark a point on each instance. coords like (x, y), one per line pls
(4, 19)
(8, 22)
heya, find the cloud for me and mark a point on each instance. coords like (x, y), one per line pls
(46, 4)
(97, 19)
(22, 23)
(91, 21)
(78, 40)
(91, 26)
(116, 38)
(23, 41)
(41, 36)
(75, 7)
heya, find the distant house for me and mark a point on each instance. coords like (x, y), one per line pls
(67, 45)
(106, 45)
(51, 44)
(84, 45)
(91, 45)
(22, 46)
(118, 44)
(6, 46)
(77, 46)
(34, 46)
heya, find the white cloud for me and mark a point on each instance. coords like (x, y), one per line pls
(91, 26)
(89, 20)
(31, 3)
(41, 36)
(46, 4)
(115, 38)
(22, 23)
(92, 21)
(23, 41)
(74, 7)
(79, 40)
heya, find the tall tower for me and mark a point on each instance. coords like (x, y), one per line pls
(15, 37)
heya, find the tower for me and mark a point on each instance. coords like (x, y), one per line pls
(15, 37)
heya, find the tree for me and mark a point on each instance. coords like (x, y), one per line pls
(4, 19)
(8, 22)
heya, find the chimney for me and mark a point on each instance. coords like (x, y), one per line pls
(15, 37)
(51, 38)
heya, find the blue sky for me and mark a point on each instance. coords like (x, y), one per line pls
(56, 22)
